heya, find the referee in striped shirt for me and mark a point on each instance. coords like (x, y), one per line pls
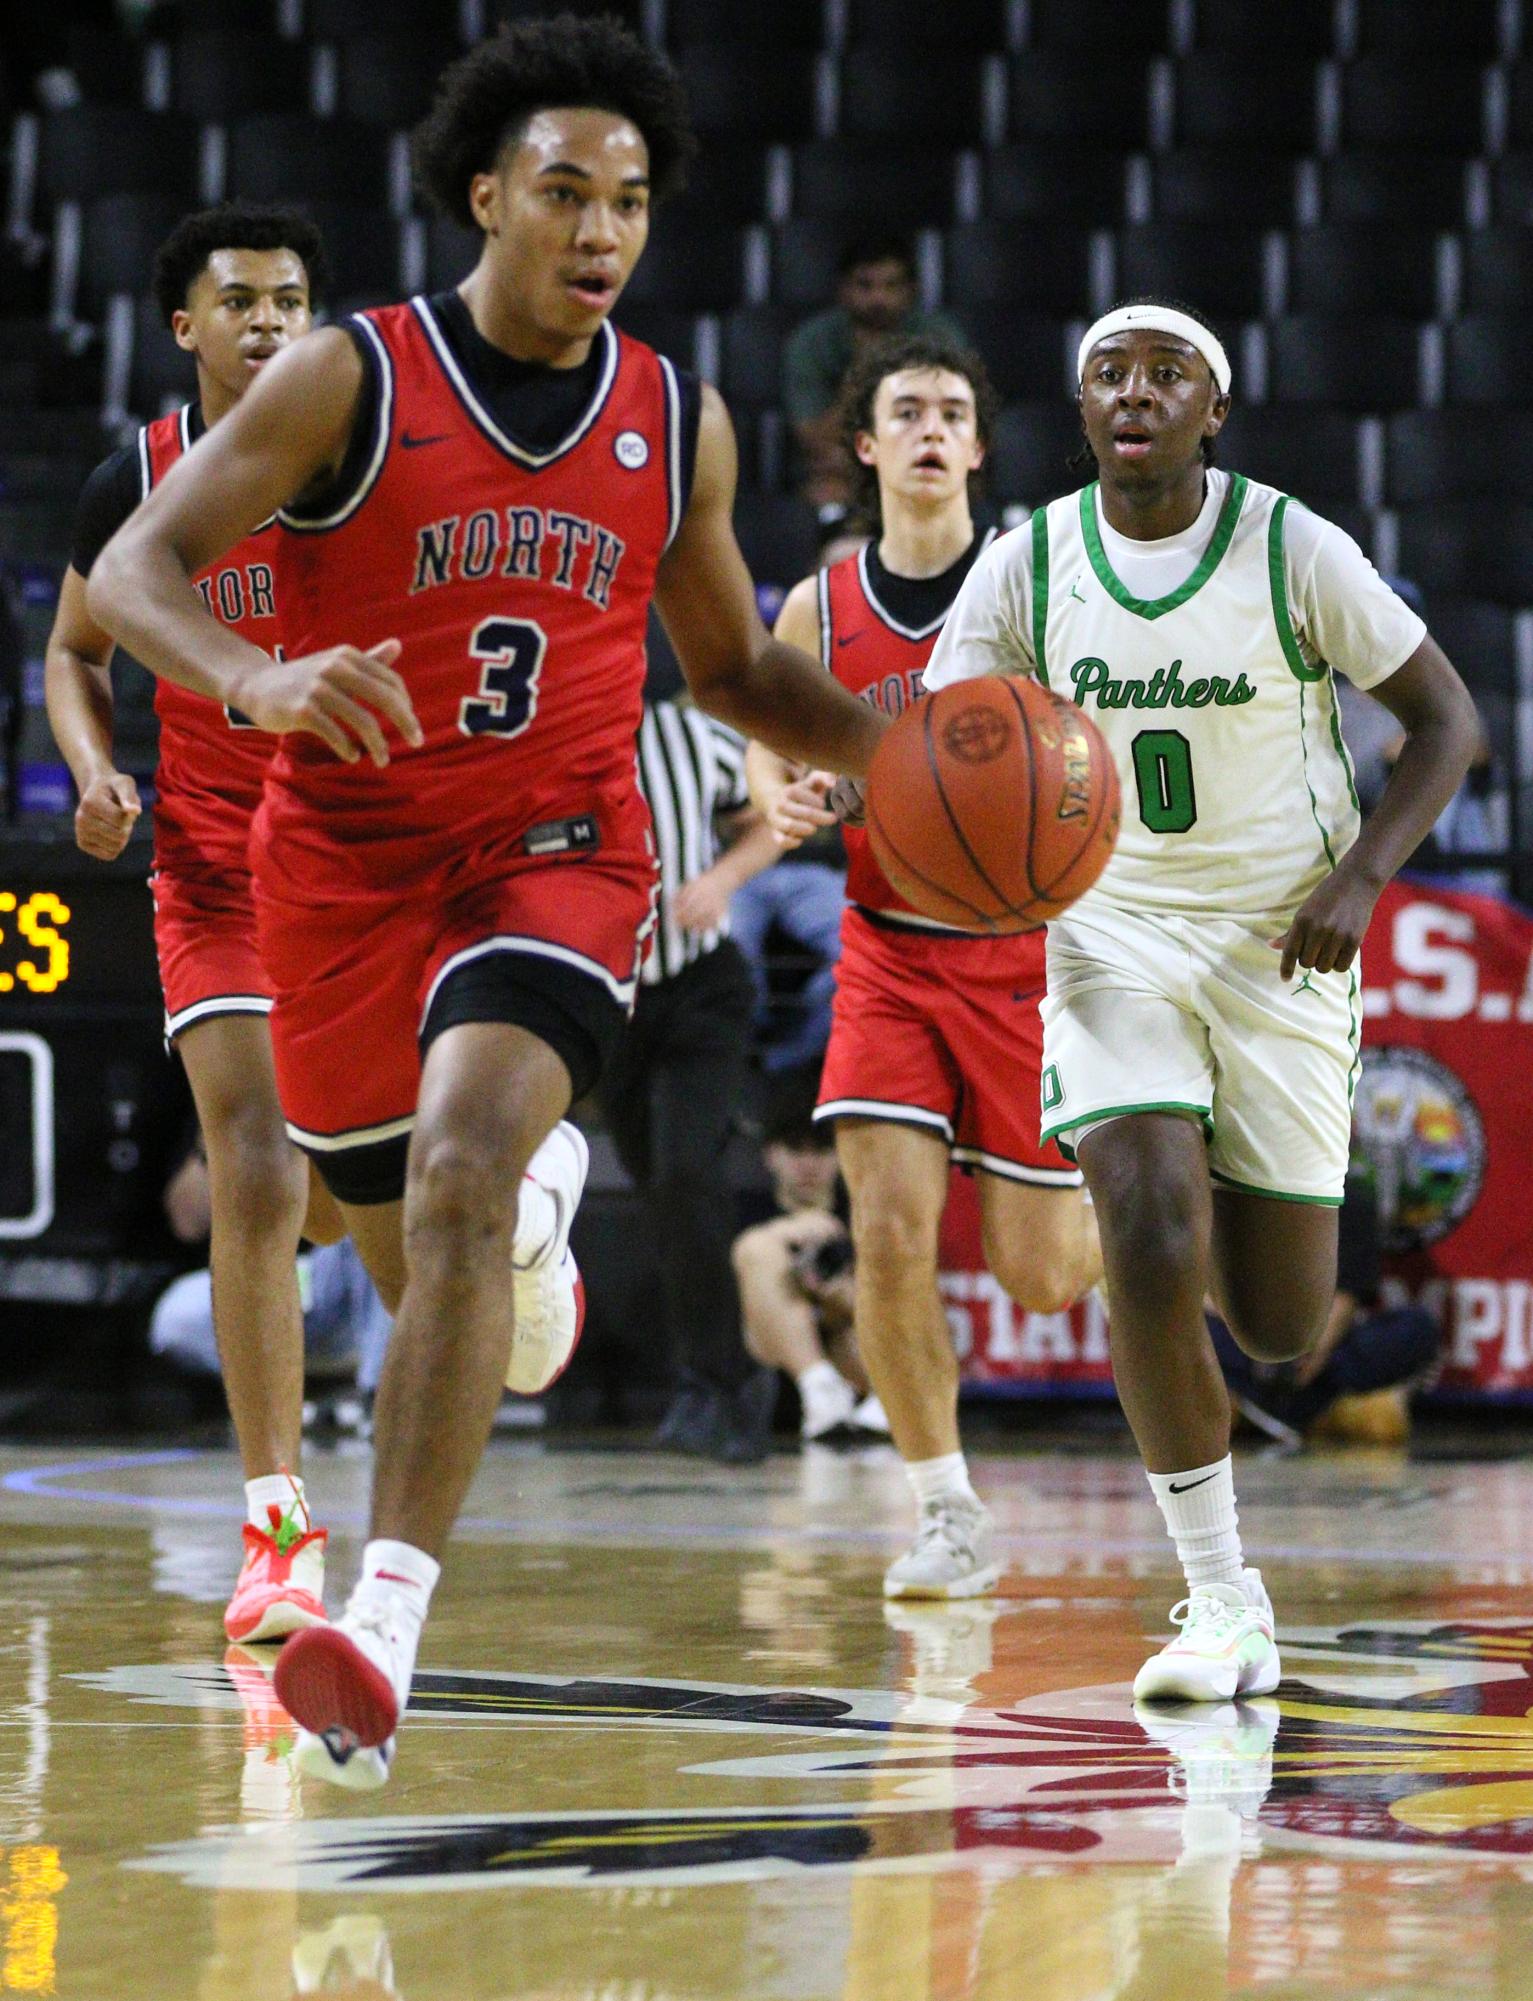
(671, 1093)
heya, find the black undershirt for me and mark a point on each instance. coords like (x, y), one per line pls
(108, 497)
(920, 602)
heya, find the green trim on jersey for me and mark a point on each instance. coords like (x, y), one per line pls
(1202, 1113)
(1342, 752)
(1289, 639)
(1314, 803)
(1040, 591)
(1273, 1194)
(1355, 1034)
(1107, 577)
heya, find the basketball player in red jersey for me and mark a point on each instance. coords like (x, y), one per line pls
(936, 1043)
(235, 287)
(481, 494)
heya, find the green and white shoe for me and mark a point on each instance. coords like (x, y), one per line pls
(1225, 1647)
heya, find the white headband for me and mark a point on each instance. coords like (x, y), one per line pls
(1161, 319)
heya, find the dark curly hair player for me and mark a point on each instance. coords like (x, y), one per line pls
(483, 493)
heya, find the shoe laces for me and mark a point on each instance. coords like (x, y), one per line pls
(943, 1526)
(1202, 1611)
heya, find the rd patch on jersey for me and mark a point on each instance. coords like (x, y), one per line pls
(631, 450)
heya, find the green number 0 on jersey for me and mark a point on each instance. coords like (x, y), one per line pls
(1168, 804)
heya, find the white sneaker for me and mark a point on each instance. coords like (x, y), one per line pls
(347, 1685)
(828, 1408)
(548, 1292)
(350, 1955)
(871, 1417)
(1225, 1647)
(953, 1555)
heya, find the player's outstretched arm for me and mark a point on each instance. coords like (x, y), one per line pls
(736, 670)
(288, 432)
(1442, 734)
(77, 686)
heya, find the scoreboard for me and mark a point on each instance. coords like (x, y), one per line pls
(92, 1110)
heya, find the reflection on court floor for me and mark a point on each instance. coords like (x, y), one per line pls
(668, 1741)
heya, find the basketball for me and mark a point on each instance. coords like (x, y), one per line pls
(993, 804)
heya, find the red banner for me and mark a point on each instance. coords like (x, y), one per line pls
(1444, 1116)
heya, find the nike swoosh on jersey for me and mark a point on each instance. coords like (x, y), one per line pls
(413, 444)
(846, 638)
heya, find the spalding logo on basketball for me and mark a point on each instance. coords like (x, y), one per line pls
(992, 805)
(976, 736)
(630, 450)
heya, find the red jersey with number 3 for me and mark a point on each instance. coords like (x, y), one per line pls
(212, 763)
(518, 583)
(873, 656)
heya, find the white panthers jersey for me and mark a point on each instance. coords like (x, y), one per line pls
(1217, 698)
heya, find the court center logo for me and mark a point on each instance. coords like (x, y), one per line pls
(1414, 1737)
(1425, 1141)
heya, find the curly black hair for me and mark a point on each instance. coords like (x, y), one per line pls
(890, 357)
(485, 99)
(1083, 459)
(234, 225)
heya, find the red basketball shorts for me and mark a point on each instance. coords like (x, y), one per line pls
(356, 973)
(205, 935)
(943, 1033)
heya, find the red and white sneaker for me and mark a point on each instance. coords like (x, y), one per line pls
(347, 1685)
(280, 1589)
(549, 1292)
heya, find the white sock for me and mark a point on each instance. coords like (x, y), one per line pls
(274, 1490)
(939, 1479)
(820, 1379)
(402, 1568)
(1199, 1510)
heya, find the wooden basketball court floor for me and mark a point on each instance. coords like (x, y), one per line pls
(669, 1743)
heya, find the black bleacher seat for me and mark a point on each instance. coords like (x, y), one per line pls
(1478, 548)
(1078, 100)
(1357, 267)
(1497, 271)
(283, 156)
(630, 12)
(161, 374)
(107, 64)
(725, 183)
(786, 24)
(1236, 27)
(217, 76)
(699, 268)
(1479, 638)
(1030, 449)
(1309, 453)
(1395, 104)
(1024, 352)
(771, 97)
(1038, 266)
(1512, 188)
(1224, 184)
(1352, 362)
(37, 370)
(750, 370)
(1130, 28)
(848, 182)
(389, 80)
(778, 536)
(1487, 358)
(939, 99)
(663, 328)
(118, 239)
(1221, 268)
(1469, 30)
(1519, 128)
(256, 17)
(341, 20)
(141, 152)
(805, 255)
(451, 252)
(1458, 454)
(1055, 183)
(975, 25)
(1394, 187)
(1248, 100)
(362, 245)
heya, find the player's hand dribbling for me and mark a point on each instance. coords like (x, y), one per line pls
(343, 696)
(105, 817)
(1328, 928)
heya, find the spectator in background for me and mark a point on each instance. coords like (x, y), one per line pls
(671, 1094)
(1359, 1373)
(345, 1327)
(795, 1276)
(875, 296)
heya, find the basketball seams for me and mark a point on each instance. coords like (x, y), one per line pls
(1032, 789)
(934, 766)
(919, 875)
(1088, 837)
